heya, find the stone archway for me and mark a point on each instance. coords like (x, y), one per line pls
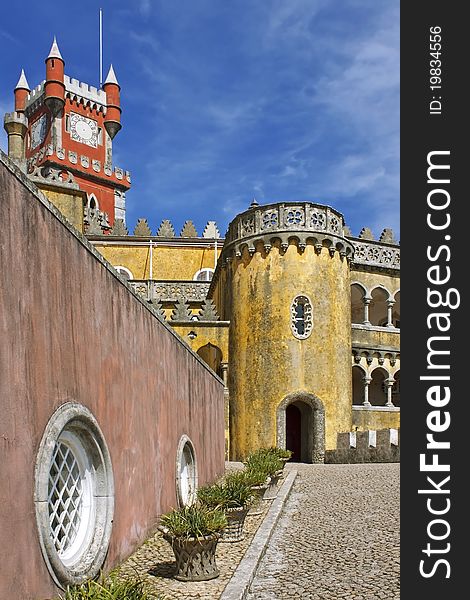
(312, 428)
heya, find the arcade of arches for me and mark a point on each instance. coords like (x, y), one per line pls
(377, 307)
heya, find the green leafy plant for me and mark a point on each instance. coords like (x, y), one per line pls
(212, 495)
(197, 520)
(280, 452)
(234, 492)
(110, 588)
(264, 461)
(255, 477)
(238, 490)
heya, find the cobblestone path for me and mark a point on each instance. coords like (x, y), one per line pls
(338, 537)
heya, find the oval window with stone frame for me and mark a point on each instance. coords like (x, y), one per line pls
(301, 317)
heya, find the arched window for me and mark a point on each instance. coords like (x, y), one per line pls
(124, 273)
(357, 303)
(396, 390)
(301, 317)
(186, 472)
(203, 275)
(377, 388)
(378, 307)
(396, 311)
(358, 385)
(92, 202)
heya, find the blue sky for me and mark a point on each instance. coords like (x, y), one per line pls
(224, 100)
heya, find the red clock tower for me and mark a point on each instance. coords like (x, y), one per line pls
(62, 131)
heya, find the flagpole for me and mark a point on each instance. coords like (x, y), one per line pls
(101, 47)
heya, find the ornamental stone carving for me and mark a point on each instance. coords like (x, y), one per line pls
(191, 291)
(334, 225)
(211, 230)
(317, 220)
(166, 229)
(301, 317)
(142, 228)
(304, 222)
(181, 312)
(119, 228)
(171, 291)
(188, 231)
(248, 226)
(294, 216)
(269, 219)
(376, 254)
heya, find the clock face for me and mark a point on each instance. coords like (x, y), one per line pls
(83, 130)
(38, 131)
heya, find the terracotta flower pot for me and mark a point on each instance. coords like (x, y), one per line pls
(195, 557)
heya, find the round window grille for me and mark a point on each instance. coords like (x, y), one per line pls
(70, 499)
(186, 472)
(74, 495)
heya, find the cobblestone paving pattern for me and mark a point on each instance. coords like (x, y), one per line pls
(338, 537)
(154, 562)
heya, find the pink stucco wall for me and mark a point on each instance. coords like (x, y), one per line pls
(70, 330)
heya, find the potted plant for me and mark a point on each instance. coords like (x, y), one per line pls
(234, 496)
(258, 482)
(193, 532)
(266, 461)
(282, 454)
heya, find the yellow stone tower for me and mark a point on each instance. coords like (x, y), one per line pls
(288, 283)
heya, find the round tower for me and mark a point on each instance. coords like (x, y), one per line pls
(290, 336)
(112, 121)
(16, 123)
(21, 93)
(54, 87)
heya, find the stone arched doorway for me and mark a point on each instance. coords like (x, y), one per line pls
(301, 427)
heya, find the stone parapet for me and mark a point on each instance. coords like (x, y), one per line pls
(303, 222)
(170, 291)
(376, 254)
(373, 446)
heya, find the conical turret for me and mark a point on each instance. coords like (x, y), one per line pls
(21, 92)
(55, 87)
(112, 121)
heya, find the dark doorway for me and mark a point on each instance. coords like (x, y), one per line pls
(294, 432)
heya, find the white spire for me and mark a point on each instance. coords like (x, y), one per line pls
(22, 82)
(55, 52)
(111, 77)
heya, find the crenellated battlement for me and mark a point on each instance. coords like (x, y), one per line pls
(371, 446)
(15, 117)
(75, 90)
(83, 90)
(166, 230)
(35, 93)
